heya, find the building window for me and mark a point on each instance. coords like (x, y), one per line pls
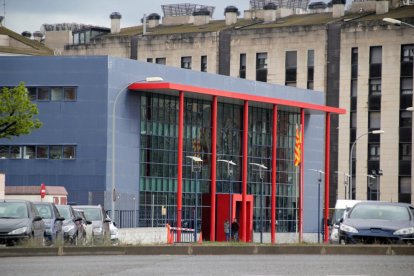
(374, 120)
(375, 61)
(203, 65)
(186, 62)
(70, 93)
(162, 61)
(242, 67)
(43, 94)
(404, 190)
(406, 118)
(38, 152)
(311, 66)
(290, 68)
(261, 67)
(405, 151)
(375, 87)
(374, 152)
(149, 60)
(58, 94)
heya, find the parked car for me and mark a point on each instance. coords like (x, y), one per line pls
(84, 225)
(20, 222)
(100, 223)
(114, 231)
(53, 222)
(378, 222)
(73, 230)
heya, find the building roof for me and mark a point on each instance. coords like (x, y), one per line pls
(34, 190)
(23, 45)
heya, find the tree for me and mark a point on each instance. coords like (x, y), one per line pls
(17, 112)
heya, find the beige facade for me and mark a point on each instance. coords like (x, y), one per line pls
(391, 39)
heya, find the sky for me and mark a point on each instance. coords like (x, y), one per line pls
(29, 15)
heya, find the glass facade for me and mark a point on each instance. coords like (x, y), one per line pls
(158, 166)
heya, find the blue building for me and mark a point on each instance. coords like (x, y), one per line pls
(141, 172)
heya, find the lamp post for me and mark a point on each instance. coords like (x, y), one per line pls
(320, 172)
(397, 22)
(123, 89)
(261, 175)
(378, 131)
(195, 168)
(346, 180)
(229, 174)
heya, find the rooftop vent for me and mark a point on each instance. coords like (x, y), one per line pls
(201, 16)
(231, 13)
(115, 22)
(153, 20)
(27, 34)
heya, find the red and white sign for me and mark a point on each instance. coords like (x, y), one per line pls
(42, 190)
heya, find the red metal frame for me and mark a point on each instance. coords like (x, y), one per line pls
(243, 224)
(274, 191)
(147, 86)
(180, 162)
(327, 170)
(213, 168)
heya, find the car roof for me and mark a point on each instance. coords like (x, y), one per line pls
(86, 206)
(384, 203)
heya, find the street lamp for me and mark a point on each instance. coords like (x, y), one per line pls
(378, 131)
(229, 175)
(123, 89)
(261, 175)
(397, 22)
(346, 180)
(320, 172)
(195, 168)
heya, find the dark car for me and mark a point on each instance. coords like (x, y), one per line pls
(20, 222)
(100, 223)
(73, 230)
(53, 222)
(378, 222)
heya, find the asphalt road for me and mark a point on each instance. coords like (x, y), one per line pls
(210, 265)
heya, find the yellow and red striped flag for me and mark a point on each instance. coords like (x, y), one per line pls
(298, 147)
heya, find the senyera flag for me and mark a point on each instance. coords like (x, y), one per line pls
(298, 147)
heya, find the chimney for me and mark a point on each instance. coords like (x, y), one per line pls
(37, 36)
(27, 34)
(231, 13)
(269, 12)
(201, 17)
(338, 8)
(381, 7)
(115, 22)
(153, 20)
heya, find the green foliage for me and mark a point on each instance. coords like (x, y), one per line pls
(17, 112)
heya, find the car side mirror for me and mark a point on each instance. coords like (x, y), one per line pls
(88, 222)
(60, 218)
(37, 218)
(78, 219)
(341, 220)
(107, 220)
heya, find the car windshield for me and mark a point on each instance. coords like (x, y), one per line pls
(92, 213)
(382, 212)
(13, 210)
(64, 212)
(44, 211)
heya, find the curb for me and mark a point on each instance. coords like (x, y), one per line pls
(211, 250)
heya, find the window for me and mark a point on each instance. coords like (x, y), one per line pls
(374, 152)
(354, 63)
(68, 152)
(186, 62)
(57, 93)
(70, 93)
(406, 118)
(405, 151)
(149, 60)
(162, 61)
(42, 152)
(43, 93)
(15, 152)
(261, 67)
(242, 67)
(29, 152)
(4, 152)
(354, 88)
(32, 91)
(311, 64)
(375, 87)
(55, 152)
(374, 120)
(405, 190)
(203, 64)
(406, 86)
(375, 60)
(353, 119)
(290, 68)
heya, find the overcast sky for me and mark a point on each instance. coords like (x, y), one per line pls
(29, 15)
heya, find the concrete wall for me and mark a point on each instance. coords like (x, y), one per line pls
(142, 236)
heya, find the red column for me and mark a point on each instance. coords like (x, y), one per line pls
(327, 169)
(274, 191)
(244, 225)
(213, 168)
(180, 161)
(302, 166)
